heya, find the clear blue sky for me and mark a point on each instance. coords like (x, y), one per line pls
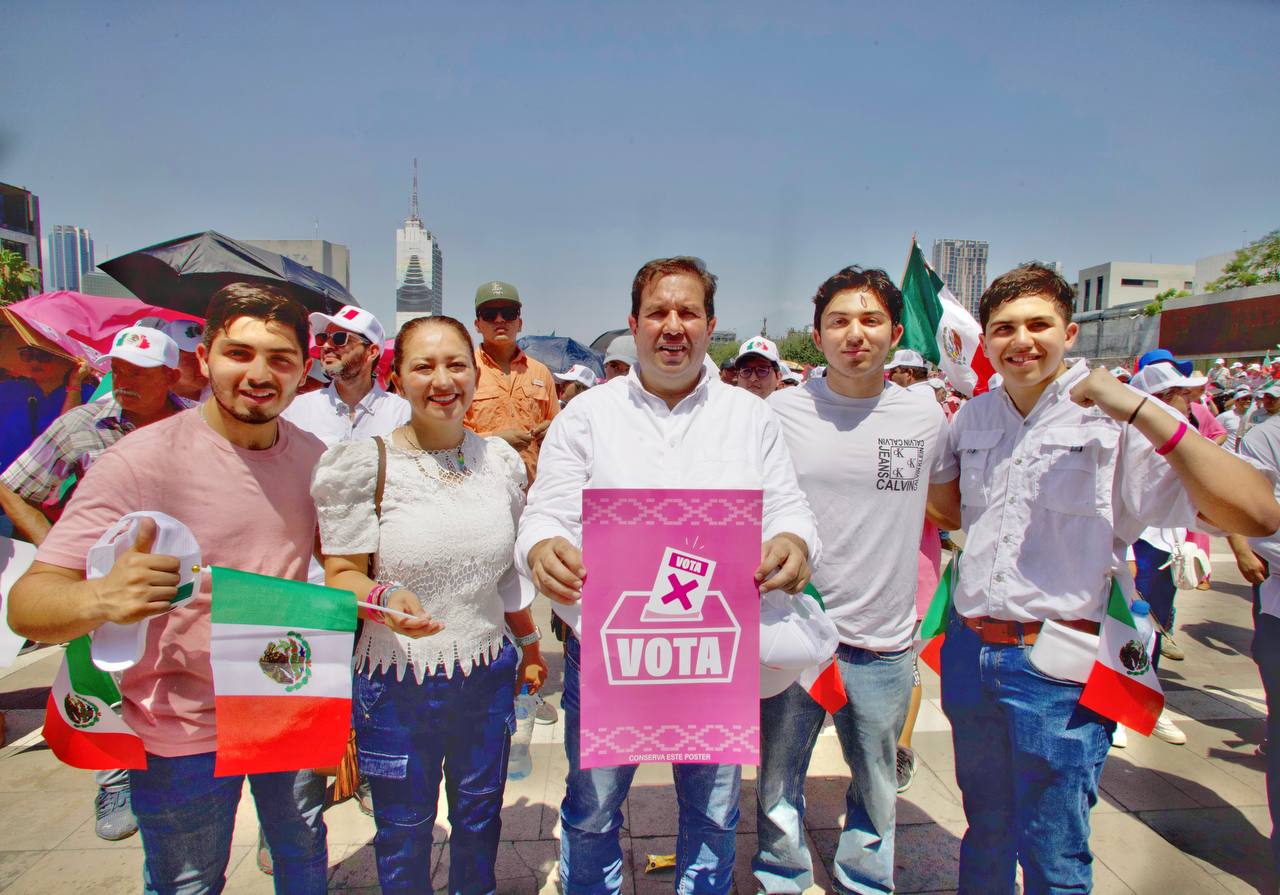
(562, 145)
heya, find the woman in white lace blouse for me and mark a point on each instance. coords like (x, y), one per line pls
(432, 697)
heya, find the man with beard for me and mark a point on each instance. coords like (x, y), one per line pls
(354, 405)
(239, 478)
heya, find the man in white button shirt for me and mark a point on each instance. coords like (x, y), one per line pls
(1060, 468)
(669, 423)
(868, 454)
(354, 405)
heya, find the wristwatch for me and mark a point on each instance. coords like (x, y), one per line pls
(530, 638)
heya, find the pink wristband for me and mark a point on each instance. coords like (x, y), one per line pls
(375, 596)
(1173, 440)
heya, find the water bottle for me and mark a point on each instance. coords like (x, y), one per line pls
(520, 764)
(1141, 611)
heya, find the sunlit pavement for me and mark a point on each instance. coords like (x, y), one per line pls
(1172, 819)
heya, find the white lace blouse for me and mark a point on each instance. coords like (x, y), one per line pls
(449, 541)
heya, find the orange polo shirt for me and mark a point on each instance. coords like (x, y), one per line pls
(520, 399)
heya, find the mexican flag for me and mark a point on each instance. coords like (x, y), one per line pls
(940, 328)
(933, 626)
(281, 654)
(80, 722)
(823, 681)
(1123, 685)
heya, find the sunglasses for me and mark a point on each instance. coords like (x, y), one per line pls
(755, 372)
(337, 339)
(488, 315)
(36, 354)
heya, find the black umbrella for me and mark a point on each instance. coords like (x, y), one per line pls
(184, 273)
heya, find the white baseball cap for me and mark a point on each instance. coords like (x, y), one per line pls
(187, 333)
(1219, 360)
(938, 385)
(1254, 367)
(622, 348)
(1156, 378)
(143, 346)
(794, 635)
(1237, 366)
(905, 357)
(577, 373)
(352, 319)
(761, 346)
(1271, 389)
(790, 375)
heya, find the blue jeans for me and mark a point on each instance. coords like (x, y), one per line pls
(878, 686)
(186, 815)
(1028, 759)
(591, 813)
(409, 735)
(1266, 652)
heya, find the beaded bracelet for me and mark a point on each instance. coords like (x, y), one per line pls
(1173, 440)
(378, 594)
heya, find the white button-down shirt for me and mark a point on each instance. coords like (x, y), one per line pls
(329, 418)
(1050, 503)
(618, 435)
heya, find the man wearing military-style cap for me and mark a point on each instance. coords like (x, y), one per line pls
(515, 395)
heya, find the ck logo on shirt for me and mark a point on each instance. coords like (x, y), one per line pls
(898, 464)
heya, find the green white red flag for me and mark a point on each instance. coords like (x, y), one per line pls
(822, 681)
(81, 724)
(1123, 685)
(281, 654)
(935, 324)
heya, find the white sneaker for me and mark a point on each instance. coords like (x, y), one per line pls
(1119, 739)
(1166, 730)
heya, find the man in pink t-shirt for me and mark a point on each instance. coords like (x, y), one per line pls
(239, 478)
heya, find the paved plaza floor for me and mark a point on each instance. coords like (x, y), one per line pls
(1171, 819)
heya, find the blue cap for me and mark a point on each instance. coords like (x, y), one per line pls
(1140, 607)
(1162, 355)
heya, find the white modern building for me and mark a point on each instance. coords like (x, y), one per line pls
(68, 258)
(329, 258)
(962, 264)
(1128, 282)
(419, 266)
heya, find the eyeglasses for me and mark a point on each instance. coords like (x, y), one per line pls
(337, 339)
(755, 372)
(488, 315)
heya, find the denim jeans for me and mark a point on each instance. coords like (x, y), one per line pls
(1266, 652)
(591, 813)
(1028, 759)
(878, 686)
(186, 815)
(409, 735)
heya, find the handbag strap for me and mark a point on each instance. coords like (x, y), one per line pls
(380, 485)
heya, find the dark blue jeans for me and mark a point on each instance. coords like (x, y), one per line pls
(409, 735)
(186, 815)
(1266, 652)
(1028, 759)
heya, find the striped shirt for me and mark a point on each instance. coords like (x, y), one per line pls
(68, 448)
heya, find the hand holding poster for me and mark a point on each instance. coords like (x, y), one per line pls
(670, 626)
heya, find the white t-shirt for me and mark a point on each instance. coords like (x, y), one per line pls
(865, 466)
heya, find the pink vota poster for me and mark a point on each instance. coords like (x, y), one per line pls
(670, 626)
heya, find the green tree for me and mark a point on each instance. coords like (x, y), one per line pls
(719, 352)
(1258, 262)
(798, 346)
(1154, 307)
(17, 277)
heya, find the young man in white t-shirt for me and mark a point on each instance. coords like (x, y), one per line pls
(867, 454)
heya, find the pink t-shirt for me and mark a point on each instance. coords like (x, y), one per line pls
(1208, 424)
(249, 510)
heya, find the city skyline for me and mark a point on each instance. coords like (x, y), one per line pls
(68, 258)
(419, 267)
(962, 264)
(557, 157)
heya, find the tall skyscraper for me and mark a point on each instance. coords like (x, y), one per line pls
(419, 266)
(70, 256)
(962, 264)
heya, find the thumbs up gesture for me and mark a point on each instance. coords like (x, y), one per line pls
(140, 584)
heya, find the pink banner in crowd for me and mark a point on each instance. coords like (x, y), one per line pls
(670, 626)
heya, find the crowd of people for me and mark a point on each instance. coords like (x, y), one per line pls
(451, 500)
